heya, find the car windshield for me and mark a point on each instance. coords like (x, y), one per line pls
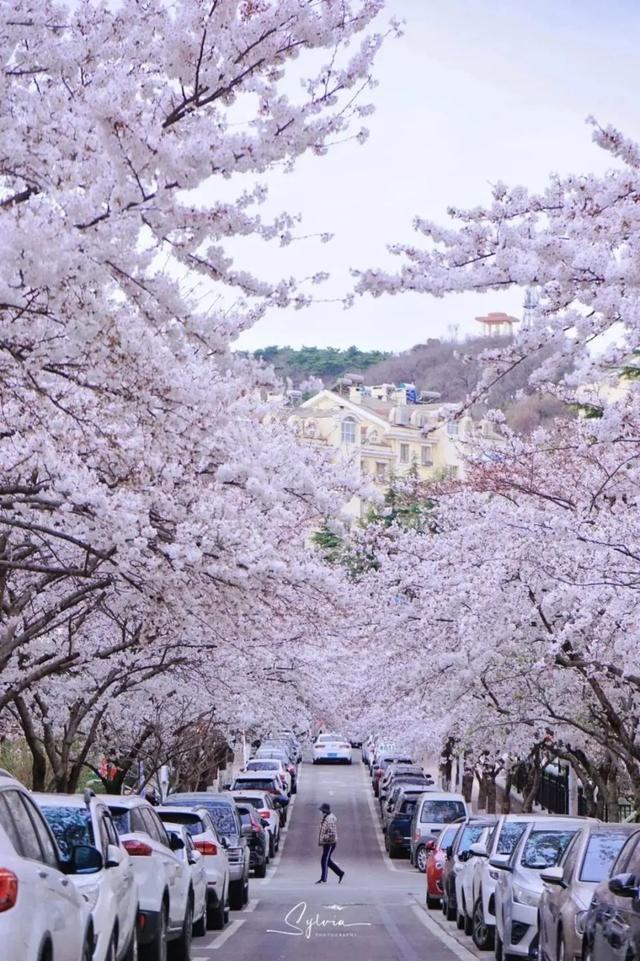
(471, 834)
(510, 834)
(602, 850)
(447, 836)
(192, 822)
(265, 765)
(442, 811)
(255, 802)
(220, 811)
(70, 826)
(544, 848)
(408, 807)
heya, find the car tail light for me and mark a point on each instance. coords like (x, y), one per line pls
(138, 849)
(8, 889)
(265, 814)
(206, 847)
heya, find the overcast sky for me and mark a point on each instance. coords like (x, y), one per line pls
(473, 92)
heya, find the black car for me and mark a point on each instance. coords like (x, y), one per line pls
(398, 833)
(612, 924)
(257, 836)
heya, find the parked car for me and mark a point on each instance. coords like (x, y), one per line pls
(382, 762)
(519, 886)
(470, 831)
(291, 739)
(331, 748)
(436, 855)
(283, 755)
(483, 876)
(399, 813)
(196, 877)
(267, 811)
(434, 809)
(43, 913)
(263, 781)
(258, 838)
(111, 892)
(400, 772)
(207, 841)
(226, 819)
(597, 912)
(271, 764)
(165, 909)
(463, 879)
(396, 787)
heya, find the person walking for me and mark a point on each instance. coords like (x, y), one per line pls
(327, 839)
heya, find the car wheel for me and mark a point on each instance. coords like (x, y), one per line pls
(562, 951)
(452, 911)
(245, 892)
(497, 947)
(200, 926)
(432, 903)
(261, 869)
(180, 950)
(236, 895)
(481, 932)
(420, 859)
(156, 950)
(394, 851)
(215, 916)
(112, 951)
(459, 920)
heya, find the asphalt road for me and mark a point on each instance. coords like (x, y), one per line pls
(376, 914)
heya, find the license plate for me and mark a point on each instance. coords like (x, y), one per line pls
(332, 754)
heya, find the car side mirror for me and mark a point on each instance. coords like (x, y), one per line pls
(264, 822)
(430, 845)
(84, 859)
(464, 856)
(175, 842)
(478, 850)
(225, 842)
(246, 831)
(553, 875)
(114, 856)
(624, 885)
(194, 857)
(500, 865)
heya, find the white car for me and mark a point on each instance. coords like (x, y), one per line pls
(111, 892)
(463, 879)
(165, 913)
(42, 912)
(331, 747)
(271, 764)
(196, 879)
(266, 811)
(519, 887)
(206, 840)
(482, 876)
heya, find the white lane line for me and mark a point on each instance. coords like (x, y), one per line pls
(221, 938)
(252, 905)
(454, 946)
(374, 817)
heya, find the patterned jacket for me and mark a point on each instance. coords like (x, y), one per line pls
(328, 830)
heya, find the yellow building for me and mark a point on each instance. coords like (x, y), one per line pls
(384, 434)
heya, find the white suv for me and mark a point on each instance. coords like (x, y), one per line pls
(111, 892)
(200, 826)
(42, 913)
(162, 877)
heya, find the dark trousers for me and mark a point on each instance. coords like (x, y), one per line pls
(326, 862)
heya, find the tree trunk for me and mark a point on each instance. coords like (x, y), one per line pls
(506, 794)
(492, 791)
(467, 784)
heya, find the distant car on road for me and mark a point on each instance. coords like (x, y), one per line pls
(331, 748)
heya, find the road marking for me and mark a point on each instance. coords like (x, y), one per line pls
(452, 944)
(221, 938)
(374, 817)
(252, 905)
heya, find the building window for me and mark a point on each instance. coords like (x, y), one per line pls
(381, 472)
(451, 472)
(426, 456)
(349, 430)
(452, 428)
(404, 453)
(363, 434)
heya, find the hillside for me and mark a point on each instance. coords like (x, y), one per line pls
(328, 363)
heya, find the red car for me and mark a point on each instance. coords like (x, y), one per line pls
(436, 856)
